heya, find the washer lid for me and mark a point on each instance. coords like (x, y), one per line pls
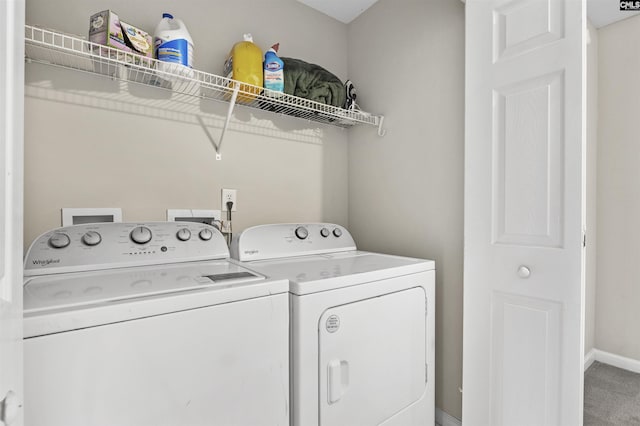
(76, 300)
(311, 274)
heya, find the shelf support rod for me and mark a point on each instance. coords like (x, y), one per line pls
(381, 131)
(232, 104)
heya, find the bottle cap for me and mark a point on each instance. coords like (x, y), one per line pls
(167, 15)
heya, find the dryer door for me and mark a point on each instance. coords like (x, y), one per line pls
(372, 361)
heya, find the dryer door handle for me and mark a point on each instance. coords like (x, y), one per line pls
(338, 379)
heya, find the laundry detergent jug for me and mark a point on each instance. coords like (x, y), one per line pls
(173, 46)
(244, 64)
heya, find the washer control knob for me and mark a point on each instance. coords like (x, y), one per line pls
(205, 234)
(183, 234)
(140, 235)
(91, 238)
(301, 232)
(337, 232)
(324, 232)
(59, 240)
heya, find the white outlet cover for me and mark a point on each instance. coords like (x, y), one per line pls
(223, 197)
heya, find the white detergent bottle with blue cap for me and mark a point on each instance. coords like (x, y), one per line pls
(173, 46)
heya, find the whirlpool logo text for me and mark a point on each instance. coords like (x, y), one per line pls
(45, 262)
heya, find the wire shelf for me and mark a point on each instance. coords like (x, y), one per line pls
(58, 49)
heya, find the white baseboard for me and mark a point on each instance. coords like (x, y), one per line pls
(589, 358)
(444, 419)
(615, 360)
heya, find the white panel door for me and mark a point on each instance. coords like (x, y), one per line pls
(524, 186)
(372, 362)
(11, 135)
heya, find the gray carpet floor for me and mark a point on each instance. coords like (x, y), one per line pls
(611, 396)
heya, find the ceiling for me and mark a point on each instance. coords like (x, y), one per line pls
(600, 12)
(605, 12)
(342, 10)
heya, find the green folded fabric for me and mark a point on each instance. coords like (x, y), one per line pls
(312, 82)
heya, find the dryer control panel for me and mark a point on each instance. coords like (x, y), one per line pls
(97, 246)
(290, 239)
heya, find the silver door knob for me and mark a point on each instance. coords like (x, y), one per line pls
(524, 272)
(9, 408)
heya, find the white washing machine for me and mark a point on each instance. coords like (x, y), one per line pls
(149, 324)
(362, 325)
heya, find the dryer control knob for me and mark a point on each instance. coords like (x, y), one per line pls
(59, 240)
(301, 232)
(324, 232)
(337, 232)
(205, 234)
(91, 238)
(183, 234)
(140, 235)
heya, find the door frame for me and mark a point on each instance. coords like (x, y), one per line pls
(12, 16)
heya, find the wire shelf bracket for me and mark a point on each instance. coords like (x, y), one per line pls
(232, 104)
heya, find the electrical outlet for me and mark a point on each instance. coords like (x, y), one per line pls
(229, 195)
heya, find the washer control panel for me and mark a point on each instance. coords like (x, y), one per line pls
(290, 239)
(98, 246)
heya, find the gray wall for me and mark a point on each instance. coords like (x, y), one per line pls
(406, 189)
(89, 142)
(83, 150)
(618, 290)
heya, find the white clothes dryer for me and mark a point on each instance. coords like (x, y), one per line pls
(362, 325)
(149, 324)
